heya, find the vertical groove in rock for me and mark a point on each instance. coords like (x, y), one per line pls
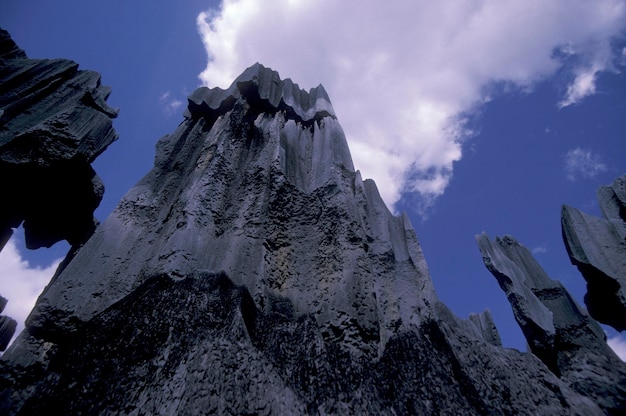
(253, 271)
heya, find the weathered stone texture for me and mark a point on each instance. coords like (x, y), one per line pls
(557, 330)
(54, 121)
(7, 326)
(253, 271)
(199, 345)
(597, 246)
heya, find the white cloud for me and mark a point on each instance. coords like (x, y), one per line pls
(20, 283)
(584, 84)
(582, 163)
(401, 74)
(169, 105)
(585, 74)
(618, 344)
(541, 249)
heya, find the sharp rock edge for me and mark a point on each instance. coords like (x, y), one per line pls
(253, 271)
(54, 121)
(558, 331)
(597, 246)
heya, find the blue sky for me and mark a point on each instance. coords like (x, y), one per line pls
(471, 116)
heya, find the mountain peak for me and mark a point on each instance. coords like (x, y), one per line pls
(253, 271)
(263, 87)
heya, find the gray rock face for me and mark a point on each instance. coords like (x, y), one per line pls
(54, 121)
(7, 326)
(597, 246)
(558, 331)
(253, 271)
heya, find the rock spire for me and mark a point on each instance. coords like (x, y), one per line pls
(54, 121)
(597, 246)
(253, 271)
(559, 332)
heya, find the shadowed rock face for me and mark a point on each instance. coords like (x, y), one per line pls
(597, 246)
(558, 331)
(253, 271)
(54, 121)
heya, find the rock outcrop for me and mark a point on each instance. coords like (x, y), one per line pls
(54, 121)
(253, 271)
(7, 326)
(557, 330)
(597, 246)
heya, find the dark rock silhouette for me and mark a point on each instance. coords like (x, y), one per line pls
(54, 121)
(253, 271)
(557, 330)
(597, 246)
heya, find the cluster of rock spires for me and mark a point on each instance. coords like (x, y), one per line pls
(253, 271)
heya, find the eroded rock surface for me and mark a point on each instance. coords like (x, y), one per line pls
(253, 271)
(7, 326)
(557, 330)
(597, 246)
(54, 121)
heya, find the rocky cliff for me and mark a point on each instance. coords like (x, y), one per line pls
(597, 246)
(253, 271)
(7, 326)
(54, 121)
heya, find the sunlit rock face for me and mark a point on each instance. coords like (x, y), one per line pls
(597, 246)
(54, 121)
(253, 271)
(557, 330)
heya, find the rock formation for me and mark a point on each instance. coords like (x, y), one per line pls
(558, 331)
(597, 246)
(253, 271)
(7, 326)
(54, 121)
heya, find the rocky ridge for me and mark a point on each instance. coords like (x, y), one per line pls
(253, 271)
(597, 246)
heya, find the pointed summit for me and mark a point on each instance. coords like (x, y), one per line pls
(253, 271)
(262, 86)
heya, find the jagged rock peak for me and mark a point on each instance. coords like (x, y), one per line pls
(8, 48)
(558, 331)
(264, 87)
(54, 122)
(253, 271)
(597, 246)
